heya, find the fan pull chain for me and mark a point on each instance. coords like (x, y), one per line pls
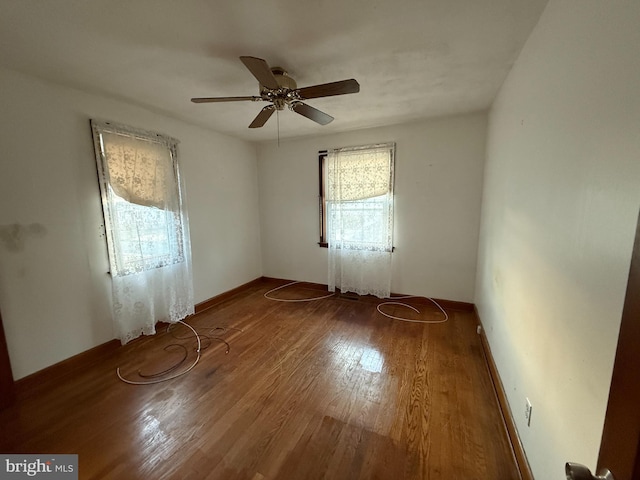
(278, 122)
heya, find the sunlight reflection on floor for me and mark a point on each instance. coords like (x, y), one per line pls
(371, 360)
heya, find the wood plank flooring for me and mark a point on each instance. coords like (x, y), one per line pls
(329, 389)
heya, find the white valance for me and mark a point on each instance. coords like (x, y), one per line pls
(364, 172)
(137, 171)
(138, 165)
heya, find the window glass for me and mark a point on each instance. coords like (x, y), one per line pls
(356, 193)
(141, 198)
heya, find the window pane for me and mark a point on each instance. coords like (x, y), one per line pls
(359, 222)
(147, 236)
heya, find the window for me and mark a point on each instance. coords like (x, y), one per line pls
(141, 198)
(363, 198)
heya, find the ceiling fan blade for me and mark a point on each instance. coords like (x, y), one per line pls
(260, 69)
(223, 99)
(311, 113)
(329, 89)
(263, 116)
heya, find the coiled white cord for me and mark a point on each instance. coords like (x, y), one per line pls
(151, 382)
(266, 295)
(446, 317)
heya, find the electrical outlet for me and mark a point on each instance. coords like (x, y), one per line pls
(527, 412)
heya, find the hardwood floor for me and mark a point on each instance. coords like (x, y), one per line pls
(327, 389)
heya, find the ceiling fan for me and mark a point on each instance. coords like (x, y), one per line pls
(279, 89)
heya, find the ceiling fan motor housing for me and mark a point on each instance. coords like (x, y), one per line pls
(285, 93)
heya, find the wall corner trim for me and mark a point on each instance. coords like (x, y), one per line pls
(517, 448)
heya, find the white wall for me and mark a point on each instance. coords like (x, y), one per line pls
(54, 289)
(438, 188)
(561, 198)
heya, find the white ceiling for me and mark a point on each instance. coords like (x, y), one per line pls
(414, 59)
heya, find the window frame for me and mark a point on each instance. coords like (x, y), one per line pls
(322, 201)
(322, 155)
(100, 127)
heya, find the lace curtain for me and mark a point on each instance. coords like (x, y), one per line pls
(147, 228)
(359, 195)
